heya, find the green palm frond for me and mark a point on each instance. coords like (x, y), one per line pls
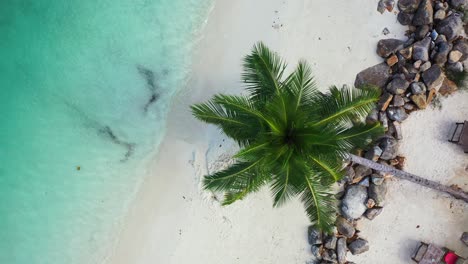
(341, 106)
(262, 72)
(319, 203)
(292, 137)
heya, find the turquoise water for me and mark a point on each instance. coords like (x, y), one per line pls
(84, 92)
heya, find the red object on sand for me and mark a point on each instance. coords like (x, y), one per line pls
(450, 258)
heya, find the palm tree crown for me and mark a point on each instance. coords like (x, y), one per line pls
(292, 136)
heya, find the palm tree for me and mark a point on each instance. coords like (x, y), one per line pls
(291, 136)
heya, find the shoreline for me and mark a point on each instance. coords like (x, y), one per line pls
(171, 213)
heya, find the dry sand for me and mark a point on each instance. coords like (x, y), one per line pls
(172, 221)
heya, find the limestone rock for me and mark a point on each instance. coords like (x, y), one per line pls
(425, 66)
(392, 60)
(353, 204)
(376, 75)
(439, 14)
(455, 56)
(448, 87)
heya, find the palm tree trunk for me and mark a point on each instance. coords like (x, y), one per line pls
(457, 193)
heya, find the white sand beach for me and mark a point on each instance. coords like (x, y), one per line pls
(173, 221)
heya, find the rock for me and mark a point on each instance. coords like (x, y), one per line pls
(373, 116)
(364, 182)
(405, 18)
(439, 14)
(330, 242)
(392, 60)
(341, 250)
(385, 31)
(314, 235)
(448, 87)
(374, 153)
(384, 101)
(419, 100)
(349, 173)
(384, 120)
(421, 49)
(344, 227)
(418, 88)
(353, 204)
(440, 57)
(315, 249)
(451, 26)
(398, 100)
(385, 5)
(454, 56)
(385, 47)
(421, 32)
(433, 77)
(376, 75)
(408, 6)
(455, 67)
(459, 3)
(420, 251)
(462, 46)
(464, 238)
(417, 64)
(389, 147)
(330, 256)
(407, 52)
(370, 203)
(377, 179)
(425, 13)
(409, 106)
(397, 114)
(434, 35)
(361, 172)
(398, 132)
(425, 66)
(431, 95)
(358, 246)
(378, 193)
(397, 86)
(373, 213)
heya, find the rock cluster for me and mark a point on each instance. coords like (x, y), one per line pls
(412, 75)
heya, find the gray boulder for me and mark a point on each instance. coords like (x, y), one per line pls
(398, 100)
(329, 256)
(372, 213)
(315, 249)
(408, 6)
(397, 114)
(398, 86)
(441, 56)
(378, 193)
(459, 3)
(385, 47)
(376, 75)
(418, 88)
(389, 146)
(344, 227)
(361, 172)
(330, 241)
(358, 246)
(354, 202)
(451, 26)
(405, 18)
(425, 14)
(433, 77)
(341, 250)
(314, 236)
(421, 32)
(421, 49)
(374, 153)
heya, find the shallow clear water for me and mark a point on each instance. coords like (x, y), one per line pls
(84, 92)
